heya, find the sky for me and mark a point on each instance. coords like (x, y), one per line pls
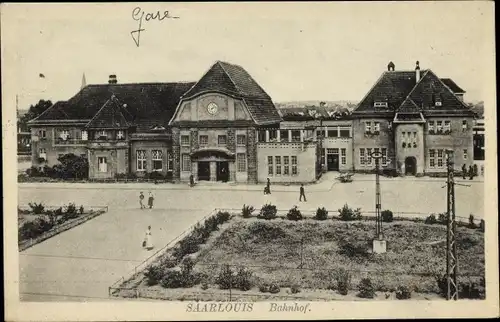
(295, 51)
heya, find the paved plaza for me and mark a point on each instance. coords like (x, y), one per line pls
(81, 263)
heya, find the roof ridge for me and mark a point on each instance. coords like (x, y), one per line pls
(409, 94)
(230, 78)
(99, 112)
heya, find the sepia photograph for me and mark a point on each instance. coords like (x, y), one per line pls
(215, 161)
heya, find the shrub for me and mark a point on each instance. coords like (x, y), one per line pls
(72, 166)
(469, 289)
(37, 208)
(243, 279)
(71, 211)
(188, 245)
(321, 214)
(349, 214)
(247, 211)
(266, 232)
(386, 216)
(268, 211)
(211, 224)
(294, 214)
(204, 286)
(343, 279)
(366, 289)
(155, 175)
(442, 218)
(35, 228)
(274, 288)
(431, 219)
(403, 293)
(222, 216)
(471, 222)
(354, 249)
(295, 289)
(52, 217)
(120, 176)
(264, 288)
(225, 279)
(172, 278)
(153, 275)
(481, 225)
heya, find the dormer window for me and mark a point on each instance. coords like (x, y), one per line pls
(102, 135)
(438, 103)
(120, 135)
(64, 135)
(85, 135)
(380, 104)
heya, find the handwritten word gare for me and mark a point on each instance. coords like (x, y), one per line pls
(141, 16)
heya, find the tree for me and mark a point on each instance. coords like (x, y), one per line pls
(34, 111)
(73, 166)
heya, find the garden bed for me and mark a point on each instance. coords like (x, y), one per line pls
(284, 259)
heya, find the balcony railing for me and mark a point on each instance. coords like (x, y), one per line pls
(70, 141)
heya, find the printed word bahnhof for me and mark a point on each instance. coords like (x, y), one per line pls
(225, 127)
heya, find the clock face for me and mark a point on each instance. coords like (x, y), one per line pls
(212, 108)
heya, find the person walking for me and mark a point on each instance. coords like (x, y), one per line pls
(302, 193)
(268, 187)
(141, 198)
(471, 173)
(191, 180)
(464, 171)
(148, 240)
(150, 200)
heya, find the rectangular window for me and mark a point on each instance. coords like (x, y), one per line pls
(102, 164)
(439, 126)
(333, 133)
(186, 162)
(368, 156)
(368, 127)
(432, 158)
(141, 160)
(332, 151)
(64, 134)
(185, 140)
(295, 135)
(380, 104)
(343, 156)
(273, 135)
(376, 127)
(157, 157)
(241, 162)
(261, 136)
(203, 140)
(286, 165)
(294, 165)
(464, 125)
(284, 136)
(85, 135)
(278, 165)
(170, 162)
(42, 134)
(362, 156)
(384, 156)
(241, 140)
(222, 140)
(345, 132)
(120, 135)
(431, 126)
(465, 154)
(42, 153)
(102, 135)
(320, 134)
(270, 165)
(440, 163)
(447, 126)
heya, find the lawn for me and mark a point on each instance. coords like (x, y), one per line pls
(306, 254)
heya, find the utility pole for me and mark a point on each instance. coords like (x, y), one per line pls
(379, 244)
(451, 225)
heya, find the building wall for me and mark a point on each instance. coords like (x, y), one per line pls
(410, 150)
(149, 146)
(458, 140)
(115, 159)
(340, 143)
(228, 108)
(382, 140)
(306, 161)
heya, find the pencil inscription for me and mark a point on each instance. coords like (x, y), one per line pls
(140, 15)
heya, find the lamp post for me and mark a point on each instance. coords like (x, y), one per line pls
(379, 244)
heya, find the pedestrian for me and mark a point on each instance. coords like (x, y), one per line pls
(150, 200)
(302, 193)
(141, 198)
(464, 171)
(471, 173)
(148, 240)
(268, 186)
(191, 180)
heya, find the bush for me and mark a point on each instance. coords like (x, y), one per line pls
(72, 166)
(295, 289)
(431, 219)
(442, 218)
(153, 275)
(247, 211)
(321, 214)
(481, 225)
(268, 211)
(349, 214)
(403, 293)
(204, 286)
(386, 216)
(354, 249)
(71, 211)
(243, 279)
(37, 208)
(172, 278)
(343, 279)
(155, 175)
(222, 216)
(294, 214)
(471, 225)
(81, 210)
(35, 228)
(211, 224)
(366, 289)
(467, 288)
(274, 288)
(264, 288)
(188, 245)
(225, 279)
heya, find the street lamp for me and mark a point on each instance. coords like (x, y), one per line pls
(379, 244)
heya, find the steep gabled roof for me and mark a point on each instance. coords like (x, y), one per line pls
(234, 80)
(452, 85)
(141, 102)
(109, 116)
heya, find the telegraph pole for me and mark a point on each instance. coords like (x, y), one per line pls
(451, 245)
(379, 244)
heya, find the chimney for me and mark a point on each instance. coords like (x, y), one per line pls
(390, 66)
(112, 79)
(417, 72)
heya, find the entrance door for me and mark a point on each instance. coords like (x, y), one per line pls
(411, 166)
(204, 171)
(223, 171)
(332, 162)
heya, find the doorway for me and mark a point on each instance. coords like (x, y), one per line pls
(411, 166)
(332, 162)
(223, 171)
(203, 171)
